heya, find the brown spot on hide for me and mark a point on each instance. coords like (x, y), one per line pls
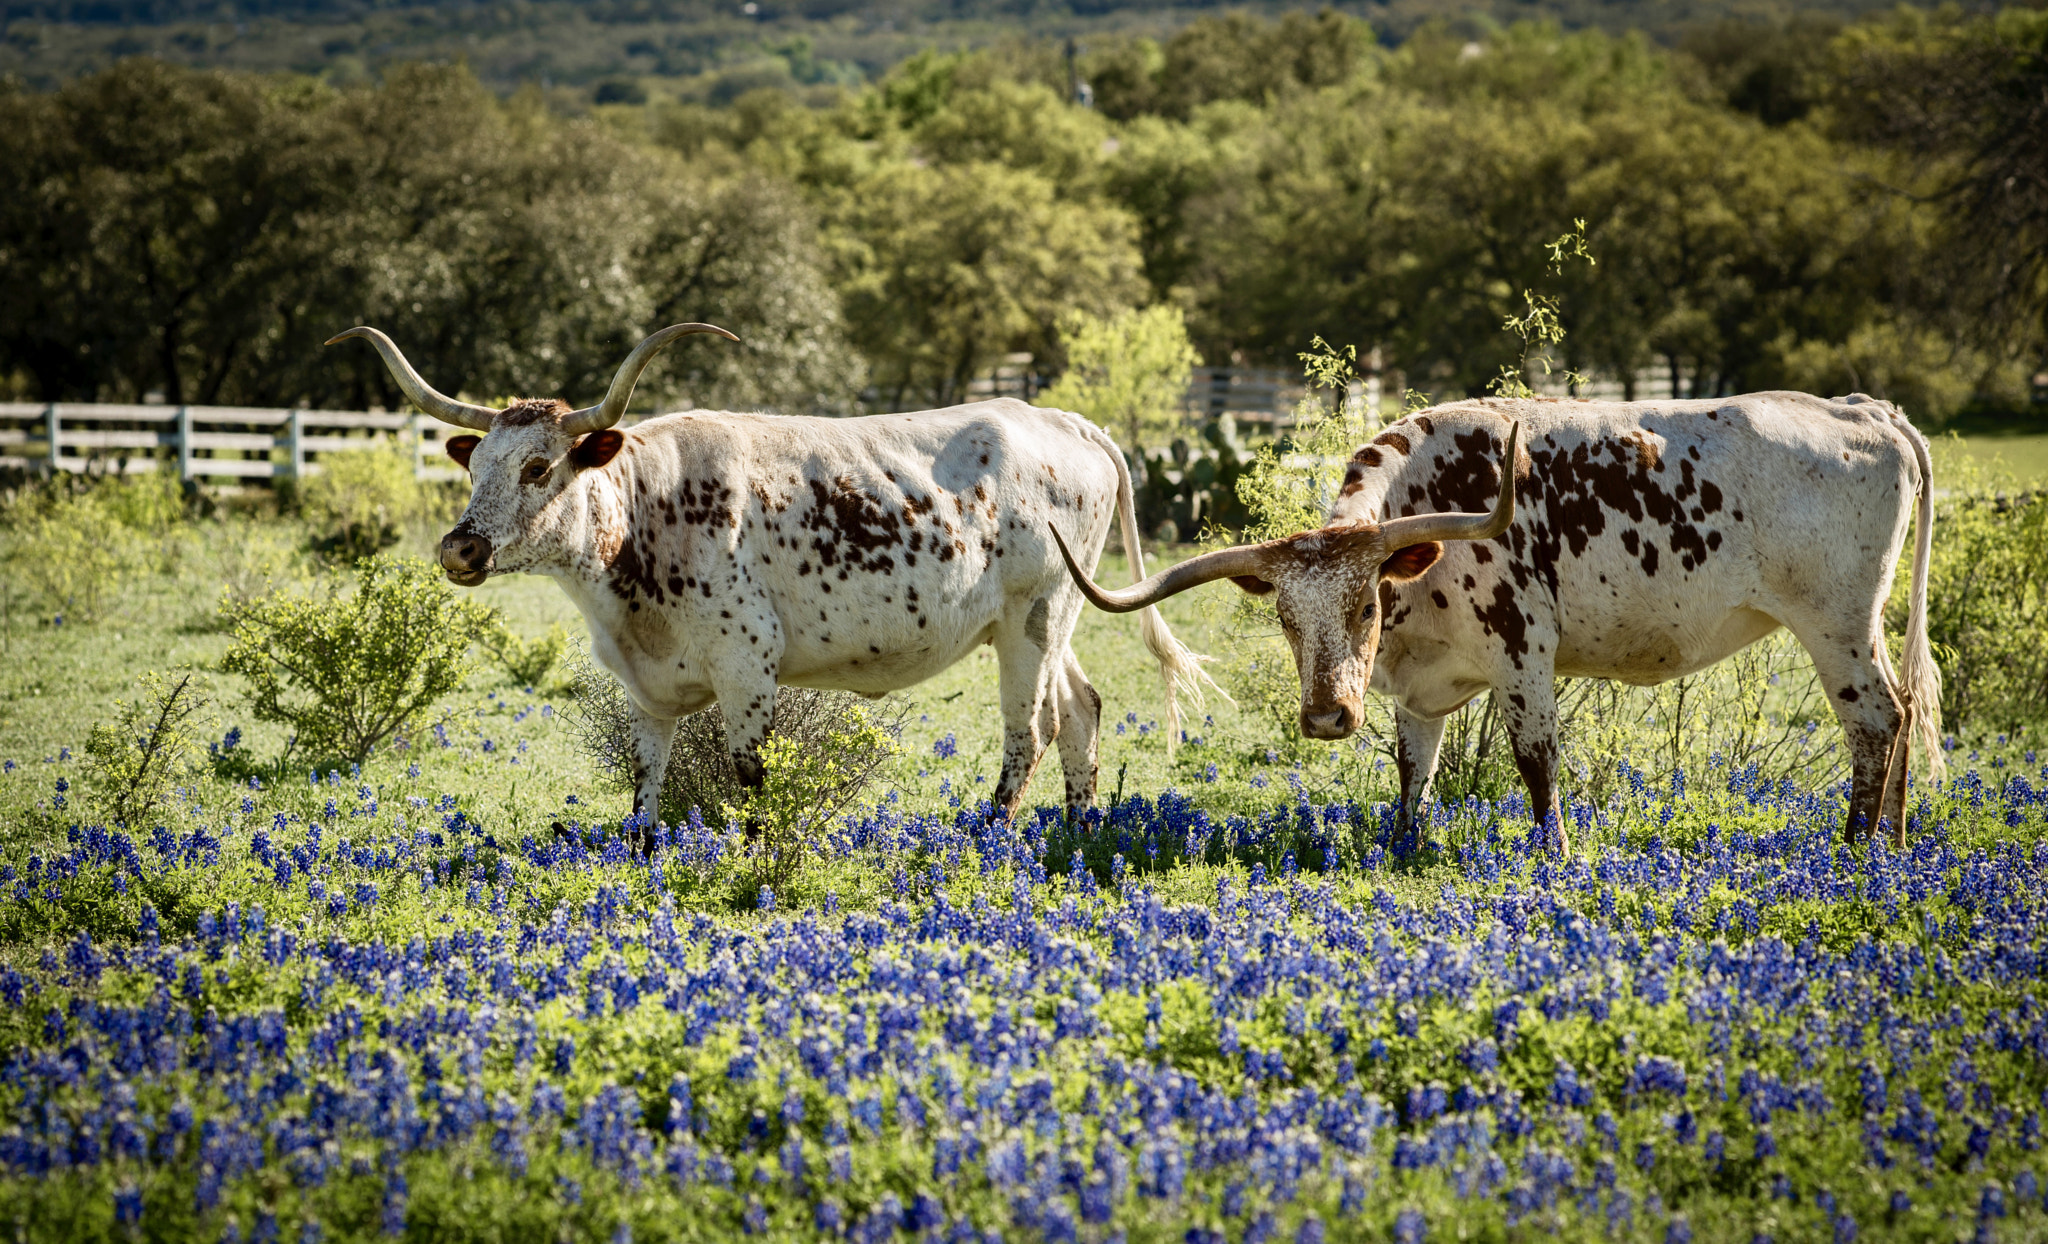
(1392, 440)
(1503, 617)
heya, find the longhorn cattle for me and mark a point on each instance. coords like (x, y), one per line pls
(1636, 541)
(715, 556)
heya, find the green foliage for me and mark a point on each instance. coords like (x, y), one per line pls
(1538, 326)
(70, 555)
(805, 783)
(360, 502)
(149, 748)
(528, 662)
(701, 776)
(1127, 371)
(247, 200)
(1987, 590)
(1272, 177)
(73, 543)
(347, 671)
(947, 268)
(1291, 485)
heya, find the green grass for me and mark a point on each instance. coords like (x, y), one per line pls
(2021, 459)
(62, 678)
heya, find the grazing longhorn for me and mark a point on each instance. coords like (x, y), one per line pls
(715, 556)
(1637, 541)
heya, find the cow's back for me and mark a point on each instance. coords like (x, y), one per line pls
(884, 547)
(1651, 538)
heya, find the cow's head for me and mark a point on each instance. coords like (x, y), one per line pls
(531, 455)
(1325, 585)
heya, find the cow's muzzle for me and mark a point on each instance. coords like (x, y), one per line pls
(1336, 722)
(466, 557)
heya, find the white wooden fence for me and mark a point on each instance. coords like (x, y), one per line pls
(213, 443)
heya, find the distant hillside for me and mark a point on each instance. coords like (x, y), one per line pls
(624, 46)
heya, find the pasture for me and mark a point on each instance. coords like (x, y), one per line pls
(1231, 1004)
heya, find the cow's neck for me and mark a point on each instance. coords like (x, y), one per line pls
(595, 523)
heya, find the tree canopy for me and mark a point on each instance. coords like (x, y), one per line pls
(1812, 206)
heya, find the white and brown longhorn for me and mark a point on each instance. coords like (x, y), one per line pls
(1636, 541)
(716, 556)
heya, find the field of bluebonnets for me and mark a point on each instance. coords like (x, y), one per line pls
(319, 1001)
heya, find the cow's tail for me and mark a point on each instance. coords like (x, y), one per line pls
(1180, 668)
(1920, 676)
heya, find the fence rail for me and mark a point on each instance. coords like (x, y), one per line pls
(232, 443)
(247, 444)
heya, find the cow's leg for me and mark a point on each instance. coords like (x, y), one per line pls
(1895, 778)
(1080, 725)
(1416, 743)
(1529, 707)
(1857, 680)
(1028, 675)
(748, 705)
(653, 736)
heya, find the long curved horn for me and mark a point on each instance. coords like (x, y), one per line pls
(1195, 571)
(423, 395)
(607, 412)
(1399, 533)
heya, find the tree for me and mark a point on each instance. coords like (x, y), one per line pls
(1128, 371)
(746, 253)
(1965, 100)
(945, 269)
(154, 235)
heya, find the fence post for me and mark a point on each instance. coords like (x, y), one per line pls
(295, 445)
(186, 450)
(50, 423)
(419, 445)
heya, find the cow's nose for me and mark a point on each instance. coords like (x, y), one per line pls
(465, 556)
(1337, 723)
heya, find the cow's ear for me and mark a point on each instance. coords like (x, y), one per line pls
(461, 447)
(598, 448)
(1252, 583)
(1411, 561)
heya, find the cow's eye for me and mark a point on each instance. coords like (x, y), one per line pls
(1366, 614)
(536, 471)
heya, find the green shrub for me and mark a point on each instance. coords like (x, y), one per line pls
(1987, 606)
(348, 671)
(527, 661)
(700, 769)
(360, 501)
(133, 763)
(805, 783)
(70, 553)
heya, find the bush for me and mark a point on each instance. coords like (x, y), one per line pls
(807, 782)
(1987, 606)
(856, 736)
(527, 661)
(71, 555)
(73, 541)
(1127, 371)
(360, 502)
(134, 763)
(346, 672)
